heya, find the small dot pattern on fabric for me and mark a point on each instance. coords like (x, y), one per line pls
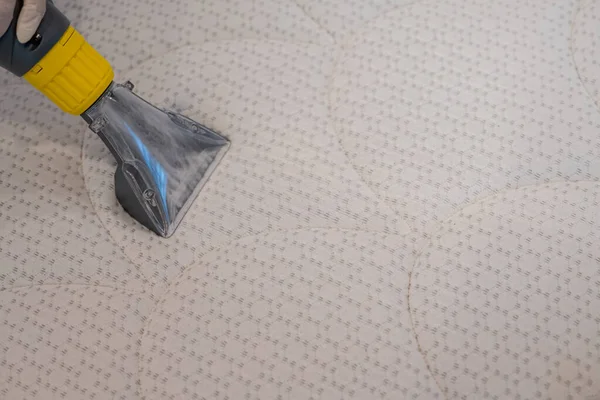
(410, 208)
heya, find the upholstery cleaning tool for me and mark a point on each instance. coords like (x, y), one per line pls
(164, 159)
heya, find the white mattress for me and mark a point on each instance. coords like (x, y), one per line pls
(410, 208)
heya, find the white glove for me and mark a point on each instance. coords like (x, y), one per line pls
(29, 18)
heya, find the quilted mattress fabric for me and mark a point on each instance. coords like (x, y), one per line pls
(410, 208)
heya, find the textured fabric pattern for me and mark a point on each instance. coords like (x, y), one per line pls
(410, 208)
(511, 283)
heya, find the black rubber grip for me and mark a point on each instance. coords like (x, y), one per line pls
(19, 58)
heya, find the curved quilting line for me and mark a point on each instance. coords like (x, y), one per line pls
(196, 253)
(348, 38)
(91, 203)
(177, 279)
(217, 245)
(78, 285)
(130, 71)
(345, 46)
(118, 245)
(343, 148)
(190, 110)
(200, 44)
(439, 229)
(84, 186)
(36, 285)
(97, 215)
(3, 288)
(313, 19)
(414, 331)
(581, 6)
(192, 43)
(91, 206)
(485, 198)
(355, 33)
(348, 44)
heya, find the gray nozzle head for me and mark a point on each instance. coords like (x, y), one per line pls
(164, 159)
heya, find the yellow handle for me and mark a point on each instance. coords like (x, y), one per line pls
(73, 74)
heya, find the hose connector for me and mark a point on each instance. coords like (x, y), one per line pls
(73, 75)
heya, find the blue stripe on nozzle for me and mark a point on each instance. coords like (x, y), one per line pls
(158, 173)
